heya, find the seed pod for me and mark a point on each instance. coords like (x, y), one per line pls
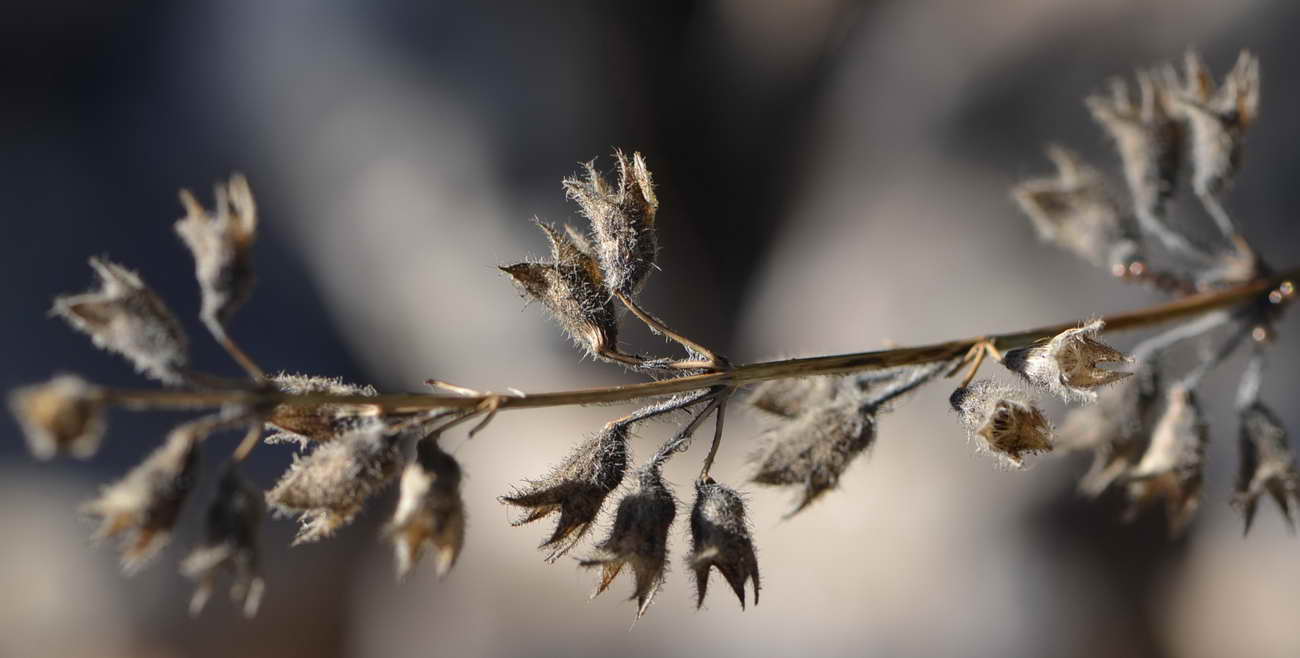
(639, 537)
(328, 487)
(813, 450)
(320, 423)
(720, 539)
(1171, 467)
(622, 221)
(1068, 364)
(790, 397)
(1267, 465)
(576, 488)
(142, 508)
(430, 511)
(62, 416)
(1218, 119)
(126, 317)
(1004, 420)
(221, 243)
(233, 523)
(1116, 429)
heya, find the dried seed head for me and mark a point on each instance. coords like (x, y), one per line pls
(720, 539)
(1116, 429)
(1074, 212)
(622, 221)
(1171, 467)
(576, 488)
(222, 243)
(142, 508)
(321, 423)
(233, 524)
(576, 300)
(813, 450)
(790, 397)
(1218, 119)
(1004, 420)
(1267, 465)
(639, 537)
(430, 511)
(62, 416)
(1069, 365)
(126, 317)
(329, 486)
(1148, 139)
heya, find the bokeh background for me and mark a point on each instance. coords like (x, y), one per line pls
(833, 177)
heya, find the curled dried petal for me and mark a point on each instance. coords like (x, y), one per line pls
(62, 416)
(1267, 465)
(1068, 365)
(221, 242)
(639, 538)
(720, 539)
(1004, 420)
(814, 450)
(430, 511)
(622, 221)
(1171, 468)
(234, 522)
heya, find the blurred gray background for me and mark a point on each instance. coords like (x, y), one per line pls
(832, 176)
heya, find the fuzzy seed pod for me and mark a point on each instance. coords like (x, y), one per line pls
(234, 522)
(328, 487)
(1068, 365)
(1267, 465)
(126, 317)
(1004, 420)
(1218, 119)
(813, 450)
(790, 397)
(221, 243)
(639, 537)
(1171, 467)
(720, 539)
(430, 511)
(142, 508)
(577, 489)
(1116, 429)
(304, 425)
(1074, 212)
(622, 221)
(62, 416)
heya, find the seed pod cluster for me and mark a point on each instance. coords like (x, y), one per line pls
(62, 416)
(221, 242)
(638, 538)
(622, 221)
(1171, 467)
(720, 539)
(1003, 420)
(1068, 365)
(320, 423)
(430, 512)
(234, 521)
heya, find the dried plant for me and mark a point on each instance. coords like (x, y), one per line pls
(1141, 421)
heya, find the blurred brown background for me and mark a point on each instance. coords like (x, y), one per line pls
(832, 176)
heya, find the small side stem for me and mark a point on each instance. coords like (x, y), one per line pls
(712, 360)
(718, 421)
(227, 343)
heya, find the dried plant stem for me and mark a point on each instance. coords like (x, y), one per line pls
(718, 420)
(711, 360)
(400, 403)
(239, 355)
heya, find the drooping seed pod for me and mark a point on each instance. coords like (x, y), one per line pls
(790, 397)
(639, 538)
(221, 242)
(1218, 119)
(142, 508)
(64, 415)
(430, 512)
(1171, 468)
(622, 221)
(329, 486)
(1116, 429)
(813, 450)
(234, 522)
(1003, 420)
(1068, 365)
(720, 539)
(126, 317)
(1074, 212)
(576, 489)
(1267, 465)
(318, 423)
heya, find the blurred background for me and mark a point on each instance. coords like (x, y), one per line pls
(833, 176)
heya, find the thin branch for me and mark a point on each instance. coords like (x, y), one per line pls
(239, 355)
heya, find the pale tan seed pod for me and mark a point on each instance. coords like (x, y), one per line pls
(233, 523)
(1116, 429)
(1004, 421)
(622, 221)
(1069, 364)
(1217, 119)
(720, 539)
(318, 423)
(430, 512)
(63, 416)
(124, 316)
(1171, 467)
(576, 489)
(813, 450)
(1267, 465)
(638, 538)
(577, 302)
(221, 242)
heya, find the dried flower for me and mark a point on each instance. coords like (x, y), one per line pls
(126, 317)
(813, 450)
(1074, 212)
(319, 423)
(1068, 365)
(233, 523)
(329, 486)
(222, 243)
(791, 397)
(639, 537)
(430, 511)
(1116, 429)
(1267, 464)
(1171, 467)
(577, 488)
(720, 539)
(622, 221)
(1218, 120)
(142, 508)
(62, 416)
(1004, 419)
